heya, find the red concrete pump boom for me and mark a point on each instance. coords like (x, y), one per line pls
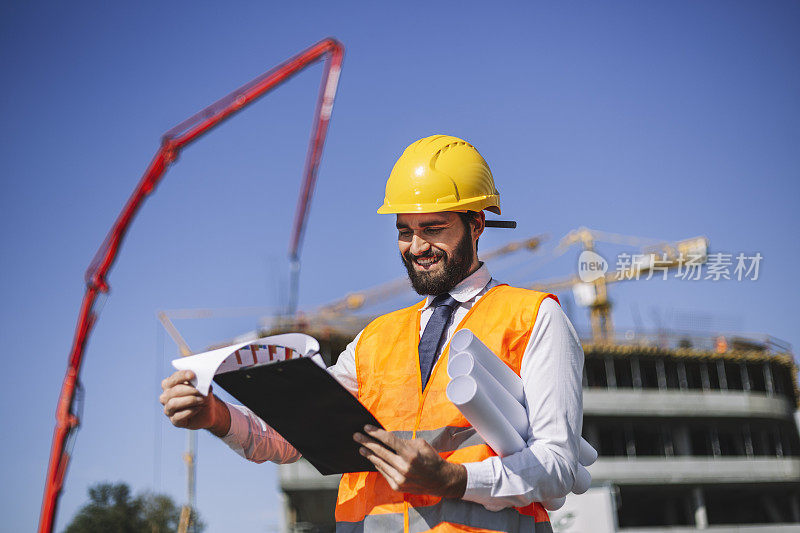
(67, 418)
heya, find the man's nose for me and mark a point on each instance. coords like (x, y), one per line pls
(419, 245)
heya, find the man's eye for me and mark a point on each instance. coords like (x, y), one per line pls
(404, 233)
(433, 231)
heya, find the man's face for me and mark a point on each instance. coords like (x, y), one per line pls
(436, 249)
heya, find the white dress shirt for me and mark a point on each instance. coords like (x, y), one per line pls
(552, 369)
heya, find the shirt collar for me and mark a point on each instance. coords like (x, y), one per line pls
(468, 288)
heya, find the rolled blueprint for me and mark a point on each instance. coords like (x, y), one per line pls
(484, 416)
(465, 341)
(555, 504)
(586, 455)
(465, 364)
(583, 479)
(470, 396)
(494, 393)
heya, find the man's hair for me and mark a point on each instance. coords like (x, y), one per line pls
(466, 219)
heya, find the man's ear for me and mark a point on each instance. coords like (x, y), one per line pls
(478, 224)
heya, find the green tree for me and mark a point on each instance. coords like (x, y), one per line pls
(112, 508)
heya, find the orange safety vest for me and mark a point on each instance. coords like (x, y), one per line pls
(389, 385)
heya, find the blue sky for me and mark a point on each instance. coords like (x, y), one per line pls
(657, 119)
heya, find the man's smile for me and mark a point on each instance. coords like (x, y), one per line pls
(427, 262)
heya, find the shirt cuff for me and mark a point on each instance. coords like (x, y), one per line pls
(480, 481)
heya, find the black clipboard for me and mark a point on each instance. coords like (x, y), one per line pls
(308, 407)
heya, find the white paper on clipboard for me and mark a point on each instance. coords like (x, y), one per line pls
(264, 350)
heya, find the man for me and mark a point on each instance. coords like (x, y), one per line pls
(441, 475)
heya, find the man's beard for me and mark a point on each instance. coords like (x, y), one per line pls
(454, 268)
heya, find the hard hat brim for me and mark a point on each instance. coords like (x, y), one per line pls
(490, 203)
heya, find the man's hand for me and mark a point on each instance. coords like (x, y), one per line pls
(416, 468)
(187, 408)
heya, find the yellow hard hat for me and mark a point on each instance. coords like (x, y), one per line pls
(440, 173)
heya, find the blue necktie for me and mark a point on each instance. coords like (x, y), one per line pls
(443, 306)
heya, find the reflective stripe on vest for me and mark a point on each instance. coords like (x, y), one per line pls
(388, 374)
(454, 512)
(446, 439)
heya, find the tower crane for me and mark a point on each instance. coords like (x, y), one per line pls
(655, 255)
